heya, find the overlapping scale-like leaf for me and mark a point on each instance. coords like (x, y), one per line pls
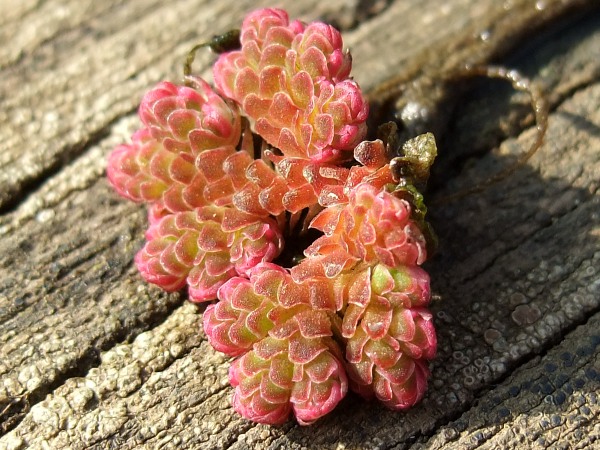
(281, 329)
(373, 227)
(297, 368)
(205, 247)
(374, 246)
(249, 309)
(291, 81)
(191, 118)
(390, 335)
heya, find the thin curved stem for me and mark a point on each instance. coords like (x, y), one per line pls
(219, 44)
(540, 109)
(189, 59)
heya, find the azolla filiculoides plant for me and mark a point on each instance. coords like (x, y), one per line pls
(263, 195)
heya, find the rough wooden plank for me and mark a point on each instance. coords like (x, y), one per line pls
(569, 60)
(68, 290)
(45, 250)
(551, 402)
(442, 37)
(121, 403)
(27, 25)
(66, 253)
(499, 316)
(493, 247)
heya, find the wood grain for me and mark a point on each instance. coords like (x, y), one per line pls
(93, 357)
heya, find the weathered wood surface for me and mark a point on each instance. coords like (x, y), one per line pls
(93, 357)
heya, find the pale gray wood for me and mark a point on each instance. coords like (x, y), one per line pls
(517, 266)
